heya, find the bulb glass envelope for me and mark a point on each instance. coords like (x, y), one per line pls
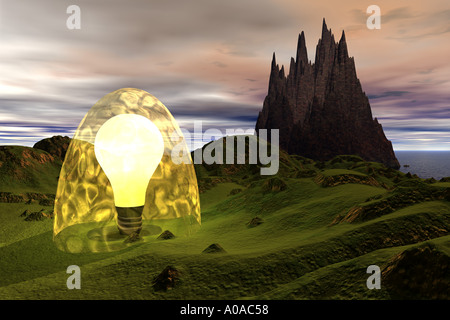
(85, 212)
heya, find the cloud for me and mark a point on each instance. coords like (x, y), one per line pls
(209, 60)
(397, 14)
(219, 64)
(388, 94)
(422, 25)
(387, 15)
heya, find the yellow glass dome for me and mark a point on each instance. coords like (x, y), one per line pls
(119, 181)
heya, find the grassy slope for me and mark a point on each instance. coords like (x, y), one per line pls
(295, 254)
(28, 170)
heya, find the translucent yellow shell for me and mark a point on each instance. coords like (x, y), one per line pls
(84, 207)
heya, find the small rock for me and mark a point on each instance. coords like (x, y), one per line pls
(166, 235)
(133, 237)
(47, 202)
(235, 191)
(24, 214)
(273, 185)
(447, 194)
(214, 248)
(430, 180)
(35, 216)
(256, 221)
(167, 279)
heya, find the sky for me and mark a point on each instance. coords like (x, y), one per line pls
(209, 61)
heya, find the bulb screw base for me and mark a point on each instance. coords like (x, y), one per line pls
(129, 220)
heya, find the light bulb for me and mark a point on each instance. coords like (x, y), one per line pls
(129, 148)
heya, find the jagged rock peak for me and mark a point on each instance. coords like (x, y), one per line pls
(342, 48)
(342, 37)
(321, 109)
(274, 62)
(326, 33)
(302, 53)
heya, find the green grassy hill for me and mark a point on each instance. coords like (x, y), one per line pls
(24, 169)
(320, 225)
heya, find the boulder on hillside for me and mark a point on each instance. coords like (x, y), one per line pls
(24, 214)
(273, 185)
(256, 221)
(167, 279)
(214, 248)
(166, 235)
(235, 191)
(133, 237)
(36, 216)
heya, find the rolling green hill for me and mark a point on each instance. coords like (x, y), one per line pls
(24, 169)
(319, 226)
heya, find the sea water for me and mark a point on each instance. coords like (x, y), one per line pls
(426, 164)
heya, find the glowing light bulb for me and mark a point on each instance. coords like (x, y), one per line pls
(129, 148)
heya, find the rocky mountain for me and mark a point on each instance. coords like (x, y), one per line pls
(25, 169)
(31, 173)
(321, 109)
(56, 146)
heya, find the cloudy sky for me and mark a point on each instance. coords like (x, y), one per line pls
(209, 60)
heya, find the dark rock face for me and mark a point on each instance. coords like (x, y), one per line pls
(37, 216)
(12, 158)
(418, 273)
(28, 198)
(321, 109)
(56, 146)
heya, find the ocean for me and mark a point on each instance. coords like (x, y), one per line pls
(426, 164)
